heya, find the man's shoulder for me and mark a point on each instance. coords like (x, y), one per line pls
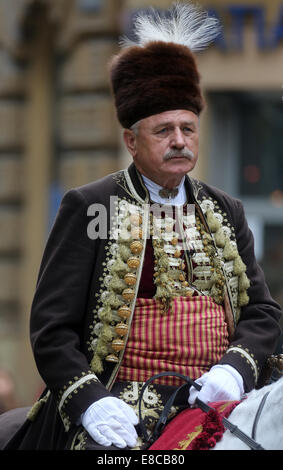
(204, 190)
(101, 187)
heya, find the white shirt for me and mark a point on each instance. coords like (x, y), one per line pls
(154, 188)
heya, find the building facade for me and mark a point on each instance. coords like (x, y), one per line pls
(59, 130)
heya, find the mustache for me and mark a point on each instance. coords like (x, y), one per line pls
(179, 153)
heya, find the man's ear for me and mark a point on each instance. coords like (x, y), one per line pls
(130, 141)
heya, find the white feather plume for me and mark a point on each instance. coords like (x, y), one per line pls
(187, 24)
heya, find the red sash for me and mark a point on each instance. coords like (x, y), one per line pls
(189, 339)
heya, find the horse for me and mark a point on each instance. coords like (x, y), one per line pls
(269, 429)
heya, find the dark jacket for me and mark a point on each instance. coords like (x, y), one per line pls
(70, 287)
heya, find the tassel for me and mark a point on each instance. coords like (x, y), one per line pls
(176, 275)
(230, 252)
(117, 284)
(158, 251)
(105, 314)
(244, 282)
(164, 278)
(101, 349)
(107, 333)
(125, 252)
(96, 364)
(113, 301)
(213, 223)
(161, 292)
(220, 238)
(163, 261)
(243, 299)
(239, 266)
(120, 267)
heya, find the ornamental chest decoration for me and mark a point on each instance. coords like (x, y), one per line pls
(200, 238)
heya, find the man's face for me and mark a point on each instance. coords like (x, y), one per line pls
(166, 146)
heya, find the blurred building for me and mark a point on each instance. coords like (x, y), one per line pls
(58, 130)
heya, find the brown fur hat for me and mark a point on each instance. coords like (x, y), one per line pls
(161, 76)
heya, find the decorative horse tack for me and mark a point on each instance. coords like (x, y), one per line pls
(249, 441)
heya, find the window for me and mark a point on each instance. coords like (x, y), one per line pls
(90, 5)
(261, 149)
(245, 159)
(272, 261)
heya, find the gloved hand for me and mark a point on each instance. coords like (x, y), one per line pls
(111, 421)
(222, 383)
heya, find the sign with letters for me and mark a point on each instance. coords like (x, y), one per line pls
(266, 39)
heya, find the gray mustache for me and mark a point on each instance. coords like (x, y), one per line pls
(179, 153)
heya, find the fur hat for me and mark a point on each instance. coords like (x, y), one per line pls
(159, 72)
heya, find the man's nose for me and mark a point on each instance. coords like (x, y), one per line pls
(178, 140)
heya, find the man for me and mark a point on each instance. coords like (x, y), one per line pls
(177, 290)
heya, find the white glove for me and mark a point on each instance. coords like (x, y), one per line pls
(111, 421)
(221, 383)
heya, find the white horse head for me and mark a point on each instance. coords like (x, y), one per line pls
(269, 431)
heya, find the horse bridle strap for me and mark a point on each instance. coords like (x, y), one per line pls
(249, 441)
(167, 407)
(258, 413)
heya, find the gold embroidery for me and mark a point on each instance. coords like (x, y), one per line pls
(248, 356)
(214, 263)
(234, 268)
(121, 283)
(184, 444)
(79, 440)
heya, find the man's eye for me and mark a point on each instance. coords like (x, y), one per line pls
(187, 130)
(162, 131)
